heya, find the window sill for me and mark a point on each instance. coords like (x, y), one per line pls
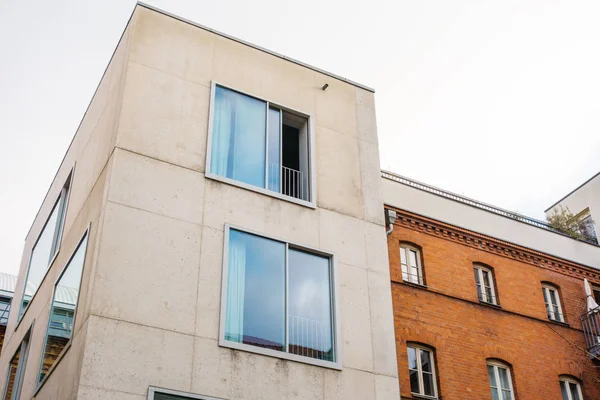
(565, 324)
(417, 285)
(491, 305)
(422, 396)
(233, 182)
(280, 354)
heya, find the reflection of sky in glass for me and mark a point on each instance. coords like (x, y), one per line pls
(309, 304)
(67, 289)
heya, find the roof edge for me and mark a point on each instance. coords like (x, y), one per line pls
(254, 46)
(572, 191)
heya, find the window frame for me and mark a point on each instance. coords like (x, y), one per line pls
(312, 181)
(65, 194)
(546, 288)
(420, 274)
(498, 364)
(431, 351)
(61, 355)
(482, 296)
(568, 380)
(334, 295)
(24, 348)
(152, 390)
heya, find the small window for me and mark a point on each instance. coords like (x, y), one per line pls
(16, 368)
(62, 310)
(166, 394)
(570, 389)
(484, 280)
(410, 260)
(4, 309)
(552, 300)
(500, 381)
(279, 299)
(46, 247)
(421, 369)
(259, 145)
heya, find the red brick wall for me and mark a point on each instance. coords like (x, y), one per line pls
(464, 333)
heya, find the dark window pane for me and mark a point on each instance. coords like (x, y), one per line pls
(564, 390)
(428, 384)
(310, 323)
(426, 361)
(574, 391)
(164, 396)
(414, 381)
(255, 311)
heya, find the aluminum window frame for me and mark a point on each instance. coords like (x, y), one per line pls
(418, 348)
(570, 381)
(61, 355)
(24, 348)
(312, 181)
(333, 293)
(481, 293)
(420, 276)
(152, 390)
(65, 194)
(546, 289)
(496, 365)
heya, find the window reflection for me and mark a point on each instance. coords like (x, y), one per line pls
(62, 312)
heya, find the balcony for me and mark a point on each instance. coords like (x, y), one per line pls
(591, 329)
(288, 181)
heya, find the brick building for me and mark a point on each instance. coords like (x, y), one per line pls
(479, 312)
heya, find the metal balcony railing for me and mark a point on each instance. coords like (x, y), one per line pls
(591, 330)
(309, 338)
(288, 181)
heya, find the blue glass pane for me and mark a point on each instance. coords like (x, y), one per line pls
(310, 325)
(274, 149)
(239, 137)
(255, 312)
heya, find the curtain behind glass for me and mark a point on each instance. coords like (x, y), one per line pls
(239, 137)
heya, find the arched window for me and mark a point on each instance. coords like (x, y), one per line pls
(570, 388)
(421, 369)
(484, 280)
(410, 261)
(552, 300)
(500, 380)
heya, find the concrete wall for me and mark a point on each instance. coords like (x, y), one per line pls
(154, 313)
(588, 195)
(488, 223)
(89, 152)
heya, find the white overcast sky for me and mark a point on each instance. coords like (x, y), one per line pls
(498, 100)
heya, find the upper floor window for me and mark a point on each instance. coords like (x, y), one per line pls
(552, 300)
(16, 369)
(259, 145)
(278, 299)
(500, 381)
(585, 226)
(484, 280)
(410, 260)
(62, 310)
(570, 389)
(421, 369)
(46, 247)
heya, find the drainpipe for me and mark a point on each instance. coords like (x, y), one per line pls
(390, 218)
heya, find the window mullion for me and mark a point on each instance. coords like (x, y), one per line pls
(482, 286)
(420, 372)
(287, 328)
(267, 146)
(280, 151)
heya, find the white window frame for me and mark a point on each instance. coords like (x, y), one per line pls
(18, 383)
(152, 390)
(496, 365)
(420, 370)
(407, 248)
(570, 381)
(550, 310)
(312, 181)
(63, 202)
(335, 308)
(481, 293)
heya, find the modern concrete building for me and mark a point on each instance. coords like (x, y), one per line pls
(215, 230)
(488, 303)
(584, 203)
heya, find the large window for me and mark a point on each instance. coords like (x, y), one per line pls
(16, 368)
(421, 368)
(484, 280)
(410, 260)
(278, 299)
(500, 381)
(570, 389)
(46, 247)
(62, 310)
(552, 300)
(259, 145)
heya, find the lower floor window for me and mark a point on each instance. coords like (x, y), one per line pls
(421, 369)
(278, 297)
(166, 394)
(570, 389)
(500, 381)
(16, 368)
